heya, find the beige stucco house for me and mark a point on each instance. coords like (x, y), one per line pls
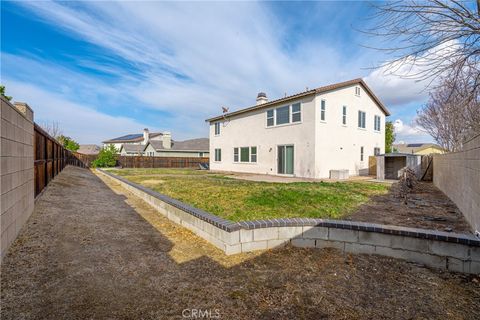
(418, 148)
(335, 127)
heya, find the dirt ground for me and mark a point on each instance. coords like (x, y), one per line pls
(427, 207)
(94, 252)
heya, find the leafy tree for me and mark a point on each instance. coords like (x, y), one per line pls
(107, 157)
(389, 136)
(68, 143)
(2, 92)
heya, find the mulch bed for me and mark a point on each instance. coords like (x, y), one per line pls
(427, 208)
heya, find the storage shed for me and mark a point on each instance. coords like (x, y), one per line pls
(390, 164)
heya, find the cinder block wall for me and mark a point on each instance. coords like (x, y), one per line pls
(457, 174)
(16, 170)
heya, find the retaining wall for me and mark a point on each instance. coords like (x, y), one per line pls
(455, 252)
(457, 174)
(16, 169)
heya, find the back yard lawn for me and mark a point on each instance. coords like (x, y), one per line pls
(239, 200)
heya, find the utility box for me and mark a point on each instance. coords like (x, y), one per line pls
(341, 174)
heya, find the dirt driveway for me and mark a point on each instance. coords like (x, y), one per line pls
(94, 252)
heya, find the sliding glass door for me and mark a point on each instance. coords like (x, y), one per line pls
(285, 159)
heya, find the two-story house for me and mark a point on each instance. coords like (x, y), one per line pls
(308, 134)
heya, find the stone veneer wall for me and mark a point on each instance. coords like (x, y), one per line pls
(455, 252)
(457, 174)
(16, 169)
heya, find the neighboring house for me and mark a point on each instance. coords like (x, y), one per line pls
(89, 149)
(166, 147)
(136, 138)
(188, 148)
(418, 148)
(306, 135)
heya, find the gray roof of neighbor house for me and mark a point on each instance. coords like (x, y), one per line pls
(200, 144)
(89, 149)
(128, 147)
(414, 147)
(308, 93)
(136, 137)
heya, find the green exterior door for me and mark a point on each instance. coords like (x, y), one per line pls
(285, 159)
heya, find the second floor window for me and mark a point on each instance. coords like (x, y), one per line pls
(344, 115)
(361, 119)
(217, 128)
(284, 115)
(377, 123)
(322, 110)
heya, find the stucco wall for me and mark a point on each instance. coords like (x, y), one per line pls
(251, 129)
(337, 145)
(16, 170)
(187, 154)
(320, 146)
(457, 174)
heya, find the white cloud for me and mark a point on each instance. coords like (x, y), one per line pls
(80, 121)
(409, 132)
(403, 82)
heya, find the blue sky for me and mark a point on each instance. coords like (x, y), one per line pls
(104, 69)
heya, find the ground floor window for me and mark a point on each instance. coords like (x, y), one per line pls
(218, 154)
(376, 151)
(361, 153)
(245, 154)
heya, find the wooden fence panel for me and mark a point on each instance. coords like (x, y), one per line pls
(160, 162)
(50, 159)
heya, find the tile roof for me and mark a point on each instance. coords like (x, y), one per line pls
(200, 144)
(307, 93)
(89, 149)
(129, 147)
(136, 137)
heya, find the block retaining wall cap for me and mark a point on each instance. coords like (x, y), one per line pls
(231, 226)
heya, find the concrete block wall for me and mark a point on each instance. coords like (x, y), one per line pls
(16, 169)
(455, 252)
(457, 174)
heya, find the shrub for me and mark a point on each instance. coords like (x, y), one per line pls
(107, 157)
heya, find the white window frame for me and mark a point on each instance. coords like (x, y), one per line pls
(236, 154)
(218, 155)
(375, 153)
(377, 123)
(323, 110)
(217, 128)
(357, 91)
(237, 151)
(363, 120)
(290, 116)
(272, 117)
(344, 115)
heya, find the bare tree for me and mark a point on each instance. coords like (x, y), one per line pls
(52, 128)
(452, 113)
(430, 39)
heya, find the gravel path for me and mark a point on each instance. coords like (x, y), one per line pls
(92, 251)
